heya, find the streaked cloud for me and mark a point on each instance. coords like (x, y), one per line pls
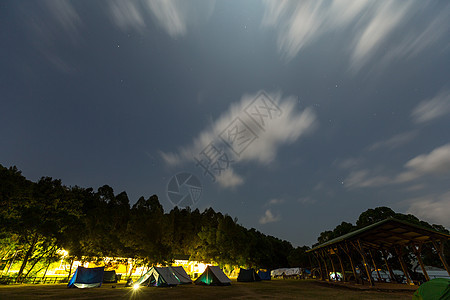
(394, 142)
(367, 24)
(432, 208)
(127, 14)
(269, 217)
(365, 178)
(431, 109)
(174, 16)
(436, 162)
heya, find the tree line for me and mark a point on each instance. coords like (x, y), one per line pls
(38, 218)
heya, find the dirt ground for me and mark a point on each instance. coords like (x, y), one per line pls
(274, 289)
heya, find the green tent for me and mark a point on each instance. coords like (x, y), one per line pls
(157, 276)
(436, 289)
(213, 275)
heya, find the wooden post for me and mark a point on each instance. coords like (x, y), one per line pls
(399, 252)
(439, 246)
(347, 252)
(360, 249)
(391, 274)
(375, 265)
(417, 252)
(327, 275)
(316, 255)
(332, 264)
(344, 278)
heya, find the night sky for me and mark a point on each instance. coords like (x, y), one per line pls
(293, 115)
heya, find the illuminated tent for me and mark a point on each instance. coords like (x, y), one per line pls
(264, 275)
(157, 276)
(87, 278)
(213, 275)
(181, 275)
(248, 275)
(109, 276)
(438, 289)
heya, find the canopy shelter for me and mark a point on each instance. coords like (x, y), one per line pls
(387, 236)
(213, 275)
(86, 278)
(181, 275)
(158, 276)
(248, 275)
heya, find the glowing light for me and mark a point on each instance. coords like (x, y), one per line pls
(136, 286)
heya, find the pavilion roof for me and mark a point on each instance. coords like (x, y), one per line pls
(387, 233)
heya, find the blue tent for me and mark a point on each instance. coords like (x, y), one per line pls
(87, 278)
(264, 275)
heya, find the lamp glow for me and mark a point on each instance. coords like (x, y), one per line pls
(136, 286)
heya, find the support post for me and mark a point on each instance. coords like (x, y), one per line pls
(439, 246)
(347, 252)
(332, 264)
(327, 275)
(417, 253)
(344, 277)
(375, 266)
(399, 252)
(316, 255)
(360, 249)
(391, 274)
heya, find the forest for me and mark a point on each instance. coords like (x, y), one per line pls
(39, 218)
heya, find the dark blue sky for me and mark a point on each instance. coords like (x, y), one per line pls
(129, 93)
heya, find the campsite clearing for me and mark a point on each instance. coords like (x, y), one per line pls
(279, 289)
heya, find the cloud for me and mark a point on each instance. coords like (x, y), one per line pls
(174, 16)
(251, 130)
(269, 217)
(274, 202)
(62, 21)
(127, 14)
(348, 163)
(394, 142)
(365, 178)
(433, 208)
(306, 200)
(431, 109)
(386, 16)
(436, 162)
(367, 25)
(229, 179)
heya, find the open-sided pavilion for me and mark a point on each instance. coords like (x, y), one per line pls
(387, 236)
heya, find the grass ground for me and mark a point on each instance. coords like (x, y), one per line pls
(275, 289)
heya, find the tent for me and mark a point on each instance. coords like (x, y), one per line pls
(264, 275)
(248, 275)
(180, 275)
(109, 277)
(438, 289)
(157, 276)
(213, 275)
(87, 278)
